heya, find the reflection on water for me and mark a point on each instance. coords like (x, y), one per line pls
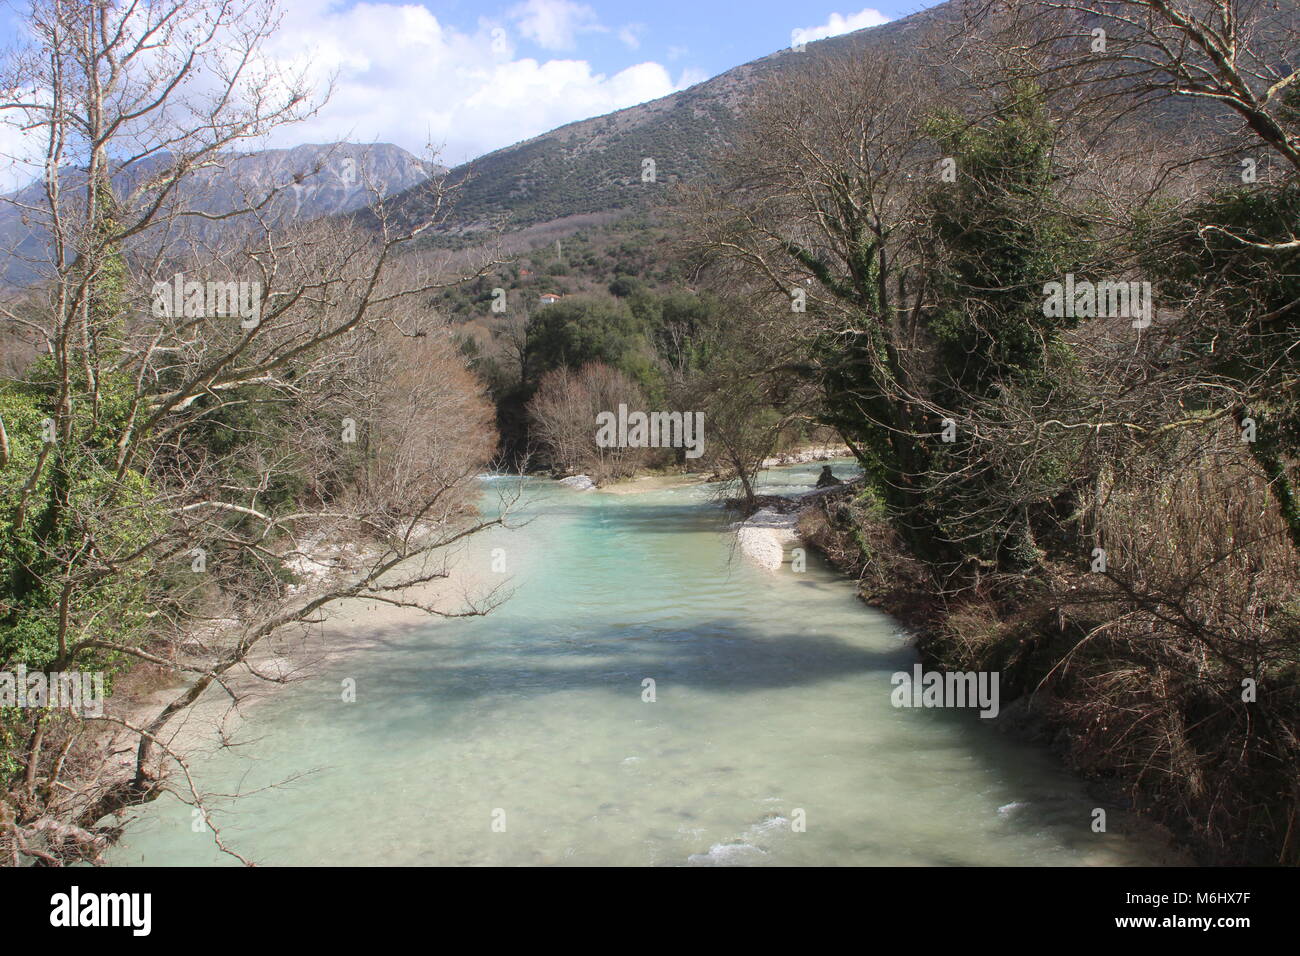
(771, 706)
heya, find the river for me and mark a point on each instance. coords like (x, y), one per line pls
(524, 737)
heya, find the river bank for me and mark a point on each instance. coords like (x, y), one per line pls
(291, 655)
(647, 483)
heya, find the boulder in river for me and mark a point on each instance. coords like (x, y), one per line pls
(827, 478)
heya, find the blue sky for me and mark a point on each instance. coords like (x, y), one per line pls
(470, 76)
(710, 36)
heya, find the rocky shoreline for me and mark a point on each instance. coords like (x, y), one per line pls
(765, 535)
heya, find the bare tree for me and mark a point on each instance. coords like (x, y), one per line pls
(187, 378)
(564, 415)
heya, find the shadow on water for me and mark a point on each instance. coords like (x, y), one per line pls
(716, 656)
(720, 657)
(690, 516)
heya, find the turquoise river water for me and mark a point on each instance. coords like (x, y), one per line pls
(523, 737)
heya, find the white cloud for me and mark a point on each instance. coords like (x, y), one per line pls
(838, 25)
(555, 24)
(556, 92)
(401, 76)
(630, 35)
(405, 78)
(21, 156)
(690, 76)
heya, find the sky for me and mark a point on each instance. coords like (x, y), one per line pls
(470, 76)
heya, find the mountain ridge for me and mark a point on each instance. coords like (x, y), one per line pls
(586, 166)
(313, 181)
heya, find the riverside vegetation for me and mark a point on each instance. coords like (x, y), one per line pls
(1101, 510)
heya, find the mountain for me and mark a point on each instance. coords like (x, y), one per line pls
(589, 173)
(595, 166)
(335, 178)
(317, 181)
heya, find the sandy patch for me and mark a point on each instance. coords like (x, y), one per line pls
(801, 456)
(292, 654)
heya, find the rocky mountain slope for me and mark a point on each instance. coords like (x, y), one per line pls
(596, 165)
(314, 181)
